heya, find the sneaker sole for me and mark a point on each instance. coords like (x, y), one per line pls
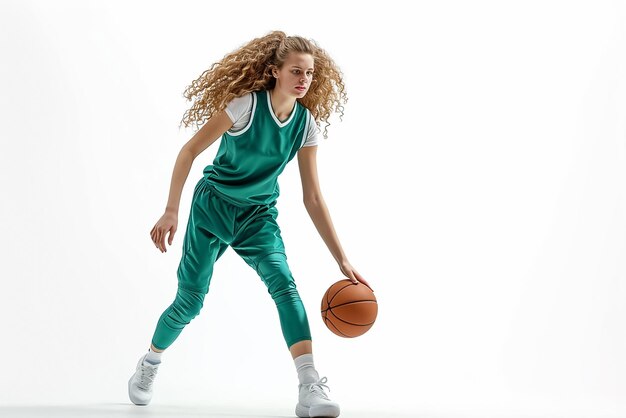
(317, 411)
(133, 399)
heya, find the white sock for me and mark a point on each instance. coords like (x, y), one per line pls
(153, 357)
(306, 369)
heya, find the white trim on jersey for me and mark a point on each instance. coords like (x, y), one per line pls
(239, 111)
(278, 122)
(306, 130)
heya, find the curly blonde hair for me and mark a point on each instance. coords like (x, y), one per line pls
(249, 68)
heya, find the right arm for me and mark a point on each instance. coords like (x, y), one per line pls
(208, 134)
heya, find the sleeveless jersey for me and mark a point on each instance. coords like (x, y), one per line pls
(248, 162)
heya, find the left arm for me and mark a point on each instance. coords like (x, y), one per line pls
(317, 210)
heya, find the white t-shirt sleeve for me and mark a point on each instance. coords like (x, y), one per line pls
(312, 137)
(239, 110)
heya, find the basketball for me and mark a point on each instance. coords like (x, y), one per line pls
(349, 309)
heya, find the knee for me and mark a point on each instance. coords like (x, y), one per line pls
(275, 272)
(187, 305)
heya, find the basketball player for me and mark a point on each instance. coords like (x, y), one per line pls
(264, 101)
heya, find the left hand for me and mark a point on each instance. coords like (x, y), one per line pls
(349, 271)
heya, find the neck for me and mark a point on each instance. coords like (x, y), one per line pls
(281, 104)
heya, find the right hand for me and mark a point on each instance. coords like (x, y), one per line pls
(167, 223)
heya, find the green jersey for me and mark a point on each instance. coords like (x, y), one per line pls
(248, 162)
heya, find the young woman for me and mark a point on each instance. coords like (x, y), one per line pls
(264, 101)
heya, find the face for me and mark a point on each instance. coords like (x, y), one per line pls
(296, 74)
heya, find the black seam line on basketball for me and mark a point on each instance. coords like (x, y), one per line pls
(326, 294)
(350, 323)
(347, 303)
(337, 292)
(331, 323)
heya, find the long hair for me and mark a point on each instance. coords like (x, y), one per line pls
(249, 68)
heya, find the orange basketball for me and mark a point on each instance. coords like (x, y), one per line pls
(349, 309)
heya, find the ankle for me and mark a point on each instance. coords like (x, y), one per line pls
(306, 369)
(153, 357)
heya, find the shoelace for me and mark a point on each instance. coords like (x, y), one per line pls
(146, 377)
(318, 387)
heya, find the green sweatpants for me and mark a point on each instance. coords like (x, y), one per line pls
(253, 233)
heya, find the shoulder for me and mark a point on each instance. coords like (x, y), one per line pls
(311, 122)
(241, 100)
(311, 136)
(237, 107)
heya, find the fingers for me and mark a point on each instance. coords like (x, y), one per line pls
(158, 238)
(153, 236)
(362, 280)
(353, 275)
(162, 241)
(348, 273)
(354, 279)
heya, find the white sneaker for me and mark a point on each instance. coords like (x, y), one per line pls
(314, 402)
(140, 383)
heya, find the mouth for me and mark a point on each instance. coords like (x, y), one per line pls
(301, 88)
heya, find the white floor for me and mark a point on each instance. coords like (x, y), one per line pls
(167, 411)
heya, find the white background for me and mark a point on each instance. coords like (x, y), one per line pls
(477, 181)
